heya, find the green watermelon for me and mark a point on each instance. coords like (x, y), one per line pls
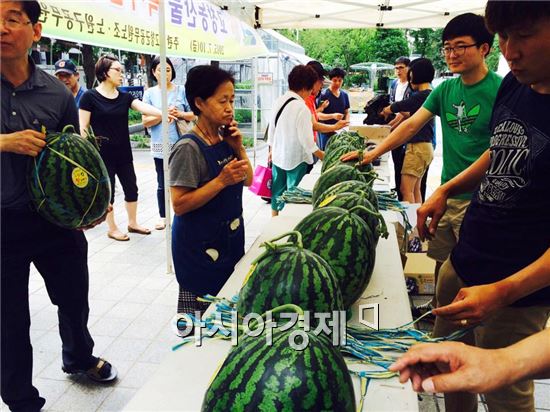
(354, 186)
(333, 155)
(346, 242)
(68, 182)
(289, 274)
(339, 173)
(349, 201)
(259, 377)
(351, 138)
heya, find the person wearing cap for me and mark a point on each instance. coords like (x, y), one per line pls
(33, 101)
(67, 72)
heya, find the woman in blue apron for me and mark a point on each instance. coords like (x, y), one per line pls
(208, 168)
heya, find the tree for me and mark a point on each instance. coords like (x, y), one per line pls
(387, 45)
(427, 43)
(336, 48)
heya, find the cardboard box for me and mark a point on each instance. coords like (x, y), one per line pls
(421, 268)
(374, 133)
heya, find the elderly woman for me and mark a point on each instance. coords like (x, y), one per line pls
(290, 135)
(179, 108)
(105, 108)
(208, 168)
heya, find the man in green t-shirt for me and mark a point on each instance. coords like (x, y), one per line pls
(464, 105)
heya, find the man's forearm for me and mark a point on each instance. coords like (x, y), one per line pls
(530, 357)
(470, 178)
(526, 281)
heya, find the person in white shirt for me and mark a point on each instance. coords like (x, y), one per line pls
(399, 90)
(290, 135)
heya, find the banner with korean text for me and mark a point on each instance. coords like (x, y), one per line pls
(194, 28)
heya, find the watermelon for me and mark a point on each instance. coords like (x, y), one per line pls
(68, 182)
(346, 242)
(339, 173)
(333, 155)
(256, 376)
(351, 138)
(289, 274)
(349, 201)
(354, 186)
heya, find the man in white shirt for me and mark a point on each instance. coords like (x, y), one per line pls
(290, 135)
(399, 90)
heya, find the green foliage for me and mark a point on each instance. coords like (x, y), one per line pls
(336, 48)
(247, 85)
(387, 45)
(143, 141)
(493, 56)
(134, 117)
(427, 43)
(245, 115)
(248, 142)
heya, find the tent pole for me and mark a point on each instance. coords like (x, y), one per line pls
(254, 106)
(164, 131)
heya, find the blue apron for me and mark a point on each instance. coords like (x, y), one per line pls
(209, 241)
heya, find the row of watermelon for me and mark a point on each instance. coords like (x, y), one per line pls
(324, 266)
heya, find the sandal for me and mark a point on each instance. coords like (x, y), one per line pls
(103, 371)
(121, 238)
(140, 231)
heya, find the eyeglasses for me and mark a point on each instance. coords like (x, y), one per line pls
(399, 67)
(13, 23)
(457, 50)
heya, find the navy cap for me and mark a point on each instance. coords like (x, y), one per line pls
(318, 67)
(65, 66)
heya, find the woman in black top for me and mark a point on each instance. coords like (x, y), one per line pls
(105, 108)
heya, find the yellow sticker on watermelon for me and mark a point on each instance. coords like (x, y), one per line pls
(250, 271)
(327, 200)
(80, 177)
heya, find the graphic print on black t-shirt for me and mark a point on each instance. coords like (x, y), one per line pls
(508, 171)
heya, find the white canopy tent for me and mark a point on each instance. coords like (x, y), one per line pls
(348, 14)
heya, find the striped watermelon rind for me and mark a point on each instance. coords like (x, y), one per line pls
(349, 200)
(260, 377)
(290, 274)
(68, 182)
(354, 186)
(346, 242)
(339, 173)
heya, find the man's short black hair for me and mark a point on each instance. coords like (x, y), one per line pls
(32, 9)
(203, 81)
(421, 71)
(156, 61)
(468, 24)
(403, 60)
(302, 78)
(336, 72)
(502, 16)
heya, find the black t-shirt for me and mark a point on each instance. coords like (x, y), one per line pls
(109, 118)
(411, 104)
(507, 226)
